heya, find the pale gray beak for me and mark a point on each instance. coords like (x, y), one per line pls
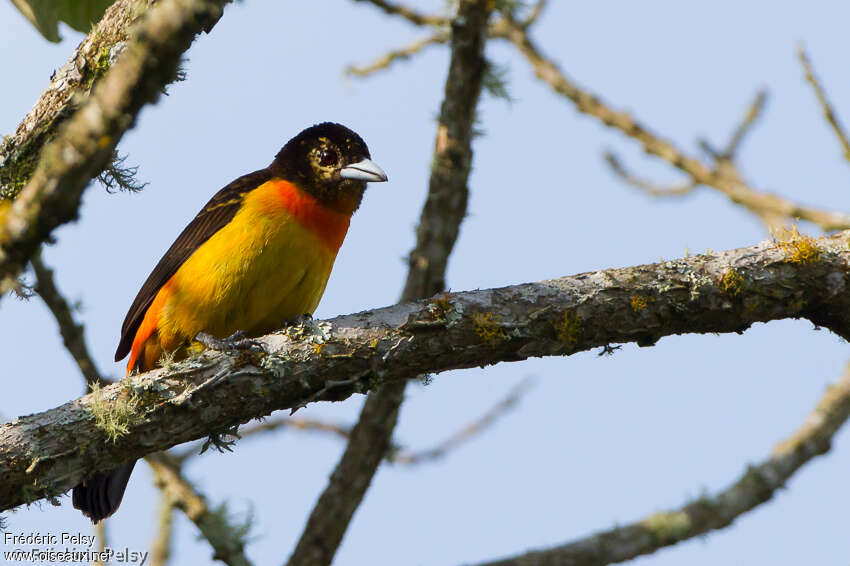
(365, 170)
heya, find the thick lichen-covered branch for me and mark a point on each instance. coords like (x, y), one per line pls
(439, 224)
(73, 336)
(64, 94)
(757, 485)
(87, 140)
(45, 454)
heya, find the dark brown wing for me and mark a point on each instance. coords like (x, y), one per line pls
(215, 215)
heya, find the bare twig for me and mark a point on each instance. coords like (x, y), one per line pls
(439, 37)
(757, 485)
(724, 161)
(763, 204)
(396, 454)
(272, 425)
(87, 141)
(754, 112)
(413, 16)
(535, 12)
(828, 111)
(473, 429)
(397, 55)
(646, 186)
(73, 333)
(227, 540)
(161, 545)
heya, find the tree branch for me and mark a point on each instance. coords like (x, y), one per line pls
(86, 143)
(161, 545)
(91, 60)
(820, 93)
(468, 432)
(72, 332)
(177, 486)
(413, 16)
(228, 542)
(439, 224)
(45, 454)
(396, 454)
(763, 204)
(708, 513)
(383, 62)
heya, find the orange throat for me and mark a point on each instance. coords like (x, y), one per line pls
(329, 225)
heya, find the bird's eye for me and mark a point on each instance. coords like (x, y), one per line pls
(328, 157)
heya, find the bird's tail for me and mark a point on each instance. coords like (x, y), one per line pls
(99, 496)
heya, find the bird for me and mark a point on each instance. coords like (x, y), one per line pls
(257, 256)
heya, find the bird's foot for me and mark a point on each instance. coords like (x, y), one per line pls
(301, 320)
(237, 341)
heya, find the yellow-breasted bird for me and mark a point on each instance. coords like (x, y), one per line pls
(256, 256)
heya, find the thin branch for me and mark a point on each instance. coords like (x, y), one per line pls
(73, 333)
(272, 425)
(439, 37)
(88, 139)
(45, 454)
(724, 160)
(828, 111)
(161, 545)
(708, 513)
(396, 454)
(754, 112)
(763, 204)
(228, 542)
(648, 187)
(411, 15)
(439, 224)
(385, 61)
(467, 433)
(534, 14)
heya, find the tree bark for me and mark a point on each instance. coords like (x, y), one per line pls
(45, 454)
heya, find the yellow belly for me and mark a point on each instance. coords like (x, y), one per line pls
(260, 270)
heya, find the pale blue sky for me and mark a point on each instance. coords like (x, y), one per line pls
(599, 441)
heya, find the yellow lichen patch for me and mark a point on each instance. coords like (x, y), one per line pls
(799, 247)
(317, 348)
(668, 526)
(568, 329)
(441, 305)
(487, 326)
(638, 303)
(116, 417)
(731, 283)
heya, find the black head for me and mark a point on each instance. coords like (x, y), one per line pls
(330, 162)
